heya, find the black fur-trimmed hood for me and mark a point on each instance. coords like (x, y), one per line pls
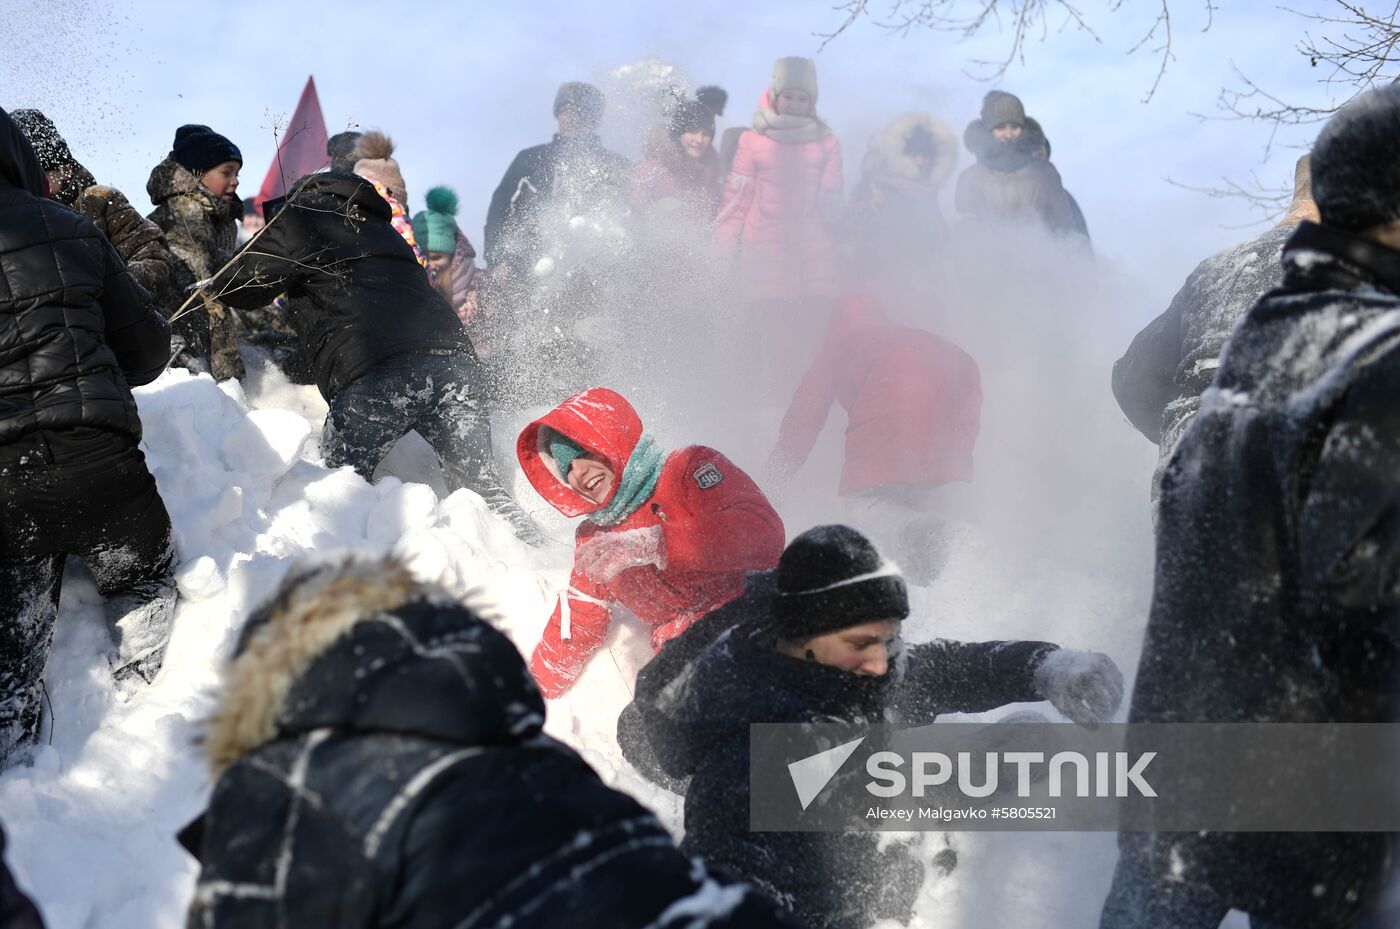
(364, 646)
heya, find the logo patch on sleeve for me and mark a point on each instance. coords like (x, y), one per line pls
(707, 475)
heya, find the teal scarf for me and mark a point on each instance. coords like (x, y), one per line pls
(638, 482)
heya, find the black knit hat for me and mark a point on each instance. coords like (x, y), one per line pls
(1356, 162)
(198, 149)
(830, 578)
(691, 116)
(713, 98)
(44, 138)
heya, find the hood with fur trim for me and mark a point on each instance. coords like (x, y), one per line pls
(363, 646)
(886, 156)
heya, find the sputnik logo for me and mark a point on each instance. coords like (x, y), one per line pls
(810, 775)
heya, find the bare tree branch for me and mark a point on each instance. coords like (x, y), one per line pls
(1023, 19)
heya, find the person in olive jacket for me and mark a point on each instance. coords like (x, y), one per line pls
(76, 334)
(385, 348)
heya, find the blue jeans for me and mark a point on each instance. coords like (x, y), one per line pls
(440, 397)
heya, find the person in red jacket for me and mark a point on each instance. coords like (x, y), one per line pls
(913, 403)
(668, 536)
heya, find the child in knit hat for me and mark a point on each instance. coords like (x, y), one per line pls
(450, 254)
(195, 190)
(375, 163)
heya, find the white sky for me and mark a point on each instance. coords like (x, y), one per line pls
(462, 86)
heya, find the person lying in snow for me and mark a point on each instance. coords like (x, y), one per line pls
(380, 761)
(385, 348)
(817, 640)
(668, 536)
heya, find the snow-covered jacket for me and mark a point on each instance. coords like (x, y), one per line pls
(716, 525)
(897, 224)
(356, 293)
(138, 240)
(780, 207)
(16, 910)
(913, 403)
(1160, 378)
(202, 231)
(1011, 184)
(1277, 592)
(76, 330)
(696, 700)
(380, 762)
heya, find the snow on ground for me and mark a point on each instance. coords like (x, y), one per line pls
(92, 821)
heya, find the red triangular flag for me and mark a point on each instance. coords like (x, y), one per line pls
(303, 148)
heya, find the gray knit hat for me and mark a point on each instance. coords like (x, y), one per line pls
(1000, 107)
(795, 74)
(1356, 162)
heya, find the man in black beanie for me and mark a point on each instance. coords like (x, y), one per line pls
(1277, 587)
(817, 640)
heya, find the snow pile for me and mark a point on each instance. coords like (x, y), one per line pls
(121, 776)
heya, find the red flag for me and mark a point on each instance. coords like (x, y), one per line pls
(303, 148)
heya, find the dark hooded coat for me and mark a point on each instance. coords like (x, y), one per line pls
(76, 331)
(1277, 594)
(356, 293)
(138, 241)
(381, 762)
(1011, 183)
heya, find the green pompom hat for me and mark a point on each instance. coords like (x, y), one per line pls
(435, 228)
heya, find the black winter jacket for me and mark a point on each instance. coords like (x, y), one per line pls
(76, 331)
(578, 169)
(1277, 594)
(1160, 378)
(696, 700)
(400, 778)
(356, 293)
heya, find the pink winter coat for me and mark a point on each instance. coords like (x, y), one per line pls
(780, 205)
(913, 403)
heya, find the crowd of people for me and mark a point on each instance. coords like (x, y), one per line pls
(377, 744)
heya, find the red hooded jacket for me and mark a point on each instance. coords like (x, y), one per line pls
(913, 401)
(716, 523)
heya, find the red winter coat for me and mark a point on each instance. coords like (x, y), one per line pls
(913, 401)
(716, 523)
(779, 208)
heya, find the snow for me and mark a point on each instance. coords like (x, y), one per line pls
(241, 474)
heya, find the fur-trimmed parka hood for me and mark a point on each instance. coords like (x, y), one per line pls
(886, 155)
(363, 646)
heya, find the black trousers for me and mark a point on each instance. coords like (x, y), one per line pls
(440, 396)
(89, 494)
